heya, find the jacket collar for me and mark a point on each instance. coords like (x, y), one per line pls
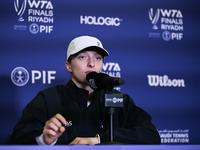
(76, 93)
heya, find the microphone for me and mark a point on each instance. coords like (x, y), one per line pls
(98, 80)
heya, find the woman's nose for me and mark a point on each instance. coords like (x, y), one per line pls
(91, 63)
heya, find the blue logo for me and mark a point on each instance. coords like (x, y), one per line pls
(34, 28)
(166, 35)
(20, 76)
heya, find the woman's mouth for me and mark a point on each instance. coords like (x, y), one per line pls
(88, 71)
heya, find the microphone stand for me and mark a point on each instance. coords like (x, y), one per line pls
(111, 112)
(112, 100)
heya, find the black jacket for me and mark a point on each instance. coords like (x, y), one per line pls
(132, 125)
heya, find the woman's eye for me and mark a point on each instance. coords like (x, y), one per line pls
(98, 58)
(81, 57)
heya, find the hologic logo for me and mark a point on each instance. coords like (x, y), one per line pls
(93, 20)
(164, 81)
(20, 76)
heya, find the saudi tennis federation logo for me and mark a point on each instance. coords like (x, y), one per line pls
(20, 76)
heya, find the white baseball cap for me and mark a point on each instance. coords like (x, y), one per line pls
(80, 43)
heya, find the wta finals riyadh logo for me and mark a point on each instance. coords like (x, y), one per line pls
(20, 76)
(154, 18)
(20, 8)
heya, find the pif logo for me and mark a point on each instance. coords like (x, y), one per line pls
(34, 28)
(20, 76)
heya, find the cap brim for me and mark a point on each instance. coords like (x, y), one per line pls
(103, 52)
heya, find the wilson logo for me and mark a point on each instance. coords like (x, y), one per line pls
(155, 80)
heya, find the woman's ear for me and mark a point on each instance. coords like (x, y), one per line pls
(68, 66)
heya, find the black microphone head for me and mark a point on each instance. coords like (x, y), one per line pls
(94, 80)
(119, 81)
(112, 81)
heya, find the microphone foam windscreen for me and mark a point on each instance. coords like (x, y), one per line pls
(95, 80)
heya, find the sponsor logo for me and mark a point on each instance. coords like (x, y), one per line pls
(36, 15)
(112, 69)
(20, 76)
(20, 8)
(174, 136)
(164, 81)
(92, 84)
(69, 124)
(114, 100)
(93, 20)
(166, 35)
(154, 19)
(166, 22)
(34, 28)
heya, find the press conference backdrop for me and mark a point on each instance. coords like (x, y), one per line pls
(153, 44)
